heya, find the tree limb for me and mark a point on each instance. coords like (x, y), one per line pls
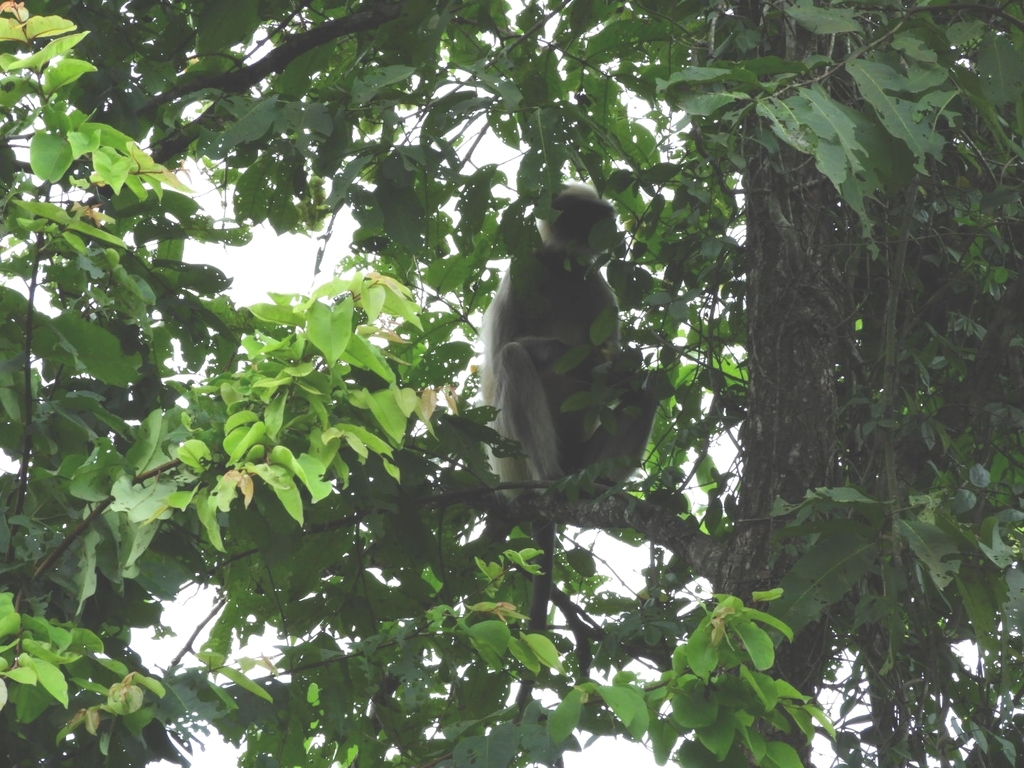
(240, 80)
(657, 524)
(83, 526)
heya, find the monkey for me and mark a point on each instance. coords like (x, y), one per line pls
(539, 350)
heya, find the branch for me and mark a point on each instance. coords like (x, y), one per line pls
(284, 54)
(83, 526)
(657, 524)
(187, 648)
(241, 80)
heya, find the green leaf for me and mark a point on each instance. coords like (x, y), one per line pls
(25, 675)
(274, 415)
(981, 600)
(824, 21)
(933, 547)
(97, 351)
(604, 326)
(48, 26)
(824, 575)
(195, 454)
(142, 502)
(372, 301)
(496, 750)
(757, 642)
(146, 451)
(389, 408)
(375, 80)
(83, 142)
(10, 29)
(64, 72)
(51, 51)
(318, 489)
(10, 624)
(51, 678)
(767, 618)
(980, 477)
(358, 439)
(701, 655)
(181, 499)
(490, 639)
(707, 104)
(277, 314)
(663, 739)
(622, 37)
(244, 682)
(1000, 69)
(566, 716)
(628, 705)
(240, 419)
(313, 471)
(363, 354)
(221, 26)
(50, 156)
(907, 120)
(206, 511)
(53, 213)
(544, 650)
(719, 737)
(823, 721)
(253, 118)
(330, 328)
(92, 479)
(111, 168)
(238, 442)
(280, 481)
(524, 654)
(763, 686)
(154, 686)
(782, 755)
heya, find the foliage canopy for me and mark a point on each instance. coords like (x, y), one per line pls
(822, 206)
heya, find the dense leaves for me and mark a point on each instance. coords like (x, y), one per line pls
(822, 208)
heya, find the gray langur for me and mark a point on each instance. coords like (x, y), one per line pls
(552, 332)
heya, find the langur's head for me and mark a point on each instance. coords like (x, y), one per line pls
(580, 209)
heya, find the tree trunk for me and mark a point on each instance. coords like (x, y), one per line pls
(794, 298)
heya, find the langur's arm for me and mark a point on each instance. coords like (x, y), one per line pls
(623, 445)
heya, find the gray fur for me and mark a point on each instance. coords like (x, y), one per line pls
(545, 307)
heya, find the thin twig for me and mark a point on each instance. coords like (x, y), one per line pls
(218, 606)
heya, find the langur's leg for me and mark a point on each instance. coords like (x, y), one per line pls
(523, 411)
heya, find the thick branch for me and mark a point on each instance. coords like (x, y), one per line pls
(240, 80)
(658, 525)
